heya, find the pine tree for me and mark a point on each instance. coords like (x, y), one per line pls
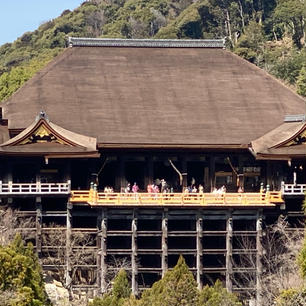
(20, 273)
(116, 297)
(176, 288)
(217, 296)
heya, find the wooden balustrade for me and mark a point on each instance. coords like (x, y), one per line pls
(34, 188)
(93, 197)
(293, 189)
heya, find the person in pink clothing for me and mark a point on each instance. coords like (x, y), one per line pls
(135, 188)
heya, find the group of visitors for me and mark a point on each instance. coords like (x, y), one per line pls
(134, 188)
(221, 190)
(194, 189)
(163, 187)
(108, 189)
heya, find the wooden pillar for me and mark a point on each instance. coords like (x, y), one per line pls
(229, 248)
(240, 171)
(68, 244)
(269, 174)
(184, 172)
(212, 171)
(134, 255)
(149, 172)
(120, 177)
(199, 227)
(38, 225)
(164, 262)
(259, 254)
(10, 180)
(103, 250)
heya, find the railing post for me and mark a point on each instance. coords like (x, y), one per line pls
(282, 187)
(1, 186)
(69, 186)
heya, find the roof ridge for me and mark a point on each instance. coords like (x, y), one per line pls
(151, 43)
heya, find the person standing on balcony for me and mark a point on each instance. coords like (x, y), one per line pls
(163, 186)
(201, 189)
(127, 189)
(135, 188)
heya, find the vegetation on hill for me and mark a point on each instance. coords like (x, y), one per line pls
(268, 33)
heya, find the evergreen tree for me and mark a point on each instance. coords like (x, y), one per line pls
(20, 273)
(301, 82)
(176, 288)
(116, 297)
(217, 296)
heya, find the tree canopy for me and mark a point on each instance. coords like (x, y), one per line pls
(20, 275)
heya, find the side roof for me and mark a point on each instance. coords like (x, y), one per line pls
(138, 95)
(286, 141)
(45, 138)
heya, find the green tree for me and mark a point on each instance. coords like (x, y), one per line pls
(116, 297)
(20, 273)
(289, 15)
(217, 296)
(301, 82)
(250, 44)
(176, 288)
(292, 297)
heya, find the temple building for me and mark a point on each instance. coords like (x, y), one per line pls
(185, 116)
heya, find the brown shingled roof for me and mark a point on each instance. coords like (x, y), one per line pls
(159, 96)
(43, 138)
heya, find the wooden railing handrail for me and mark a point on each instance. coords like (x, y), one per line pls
(93, 197)
(37, 188)
(293, 189)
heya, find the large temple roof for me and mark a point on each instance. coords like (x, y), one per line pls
(165, 94)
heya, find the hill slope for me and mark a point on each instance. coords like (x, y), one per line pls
(265, 32)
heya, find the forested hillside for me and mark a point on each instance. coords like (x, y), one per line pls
(268, 33)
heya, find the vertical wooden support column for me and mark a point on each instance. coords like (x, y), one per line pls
(38, 225)
(68, 244)
(103, 250)
(134, 255)
(229, 248)
(149, 171)
(269, 173)
(212, 171)
(120, 177)
(184, 171)
(259, 254)
(199, 226)
(10, 180)
(164, 262)
(240, 171)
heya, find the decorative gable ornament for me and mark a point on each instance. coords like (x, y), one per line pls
(42, 133)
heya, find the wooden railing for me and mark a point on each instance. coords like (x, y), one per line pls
(34, 188)
(175, 199)
(293, 189)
